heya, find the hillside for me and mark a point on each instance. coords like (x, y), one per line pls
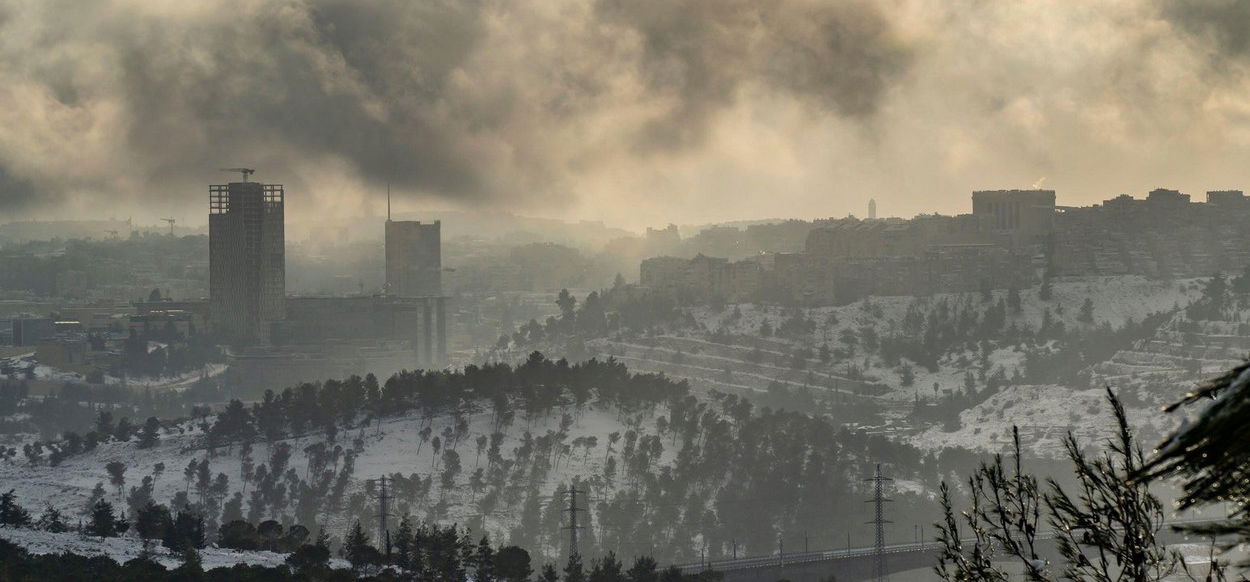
(660, 471)
(123, 549)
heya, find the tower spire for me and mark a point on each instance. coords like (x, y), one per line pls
(388, 201)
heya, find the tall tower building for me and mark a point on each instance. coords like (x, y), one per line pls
(247, 260)
(872, 208)
(414, 257)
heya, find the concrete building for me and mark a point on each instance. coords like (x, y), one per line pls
(163, 324)
(28, 331)
(702, 278)
(996, 246)
(1165, 235)
(417, 322)
(334, 337)
(1026, 216)
(247, 260)
(414, 258)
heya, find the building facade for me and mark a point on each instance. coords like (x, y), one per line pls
(414, 259)
(247, 260)
(417, 322)
(702, 278)
(1026, 216)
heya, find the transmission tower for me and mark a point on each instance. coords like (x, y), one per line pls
(879, 501)
(384, 533)
(573, 526)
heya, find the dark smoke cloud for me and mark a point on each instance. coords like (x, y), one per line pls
(361, 81)
(471, 100)
(838, 56)
(1223, 24)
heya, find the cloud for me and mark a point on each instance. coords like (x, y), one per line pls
(427, 95)
(634, 111)
(839, 57)
(1219, 23)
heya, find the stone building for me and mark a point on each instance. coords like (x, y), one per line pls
(1011, 238)
(1166, 235)
(1026, 217)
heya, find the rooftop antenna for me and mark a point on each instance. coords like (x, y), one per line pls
(388, 201)
(245, 171)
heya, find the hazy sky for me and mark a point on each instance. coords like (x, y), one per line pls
(635, 112)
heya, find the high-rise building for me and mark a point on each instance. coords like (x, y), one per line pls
(872, 209)
(414, 258)
(247, 260)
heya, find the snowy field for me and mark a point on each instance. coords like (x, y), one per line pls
(1045, 414)
(1115, 299)
(123, 549)
(394, 447)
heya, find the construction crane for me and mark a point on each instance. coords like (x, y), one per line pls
(171, 225)
(245, 171)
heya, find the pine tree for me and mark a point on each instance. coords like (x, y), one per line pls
(356, 548)
(97, 494)
(403, 544)
(573, 571)
(238, 535)
(643, 570)
(192, 567)
(1086, 314)
(607, 569)
(187, 529)
(484, 562)
(550, 574)
(12, 514)
(117, 477)
(104, 522)
(51, 520)
(1210, 453)
(309, 556)
(151, 433)
(512, 564)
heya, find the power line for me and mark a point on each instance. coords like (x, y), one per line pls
(384, 533)
(573, 526)
(879, 500)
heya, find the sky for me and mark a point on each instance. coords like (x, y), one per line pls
(633, 112)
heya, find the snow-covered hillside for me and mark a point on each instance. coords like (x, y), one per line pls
(1115, 300)
(1044, 415)
(123, 549)
(393, 446)
(752, 362)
